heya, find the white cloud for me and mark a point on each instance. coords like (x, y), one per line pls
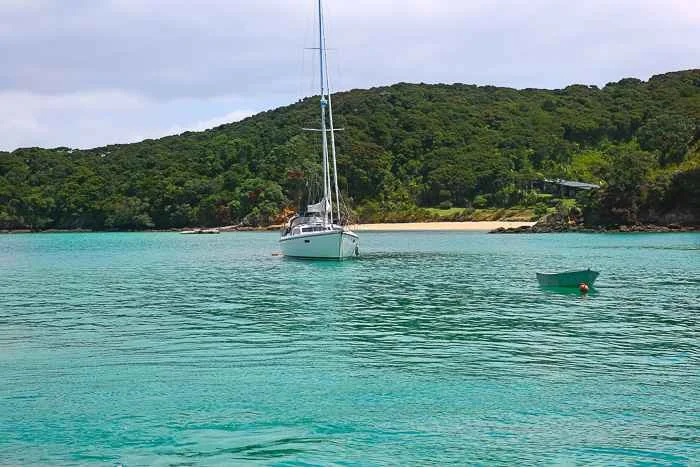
(31, 119)
(101, 117)
(108, 99)
(202, 125)
(123, 68)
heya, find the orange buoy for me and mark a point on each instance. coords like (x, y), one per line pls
(583, 288)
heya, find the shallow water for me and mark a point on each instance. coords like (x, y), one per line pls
(164, 349)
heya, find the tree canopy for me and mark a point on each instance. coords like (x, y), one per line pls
(405, 146)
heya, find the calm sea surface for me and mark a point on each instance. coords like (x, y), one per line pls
(432, 348)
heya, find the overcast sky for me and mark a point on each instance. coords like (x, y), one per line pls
(84, 73)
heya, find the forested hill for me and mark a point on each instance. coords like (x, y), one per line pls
(404, 146)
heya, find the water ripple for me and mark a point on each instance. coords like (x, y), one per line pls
(431, 348)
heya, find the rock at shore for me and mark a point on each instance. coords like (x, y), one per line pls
(556, 222)
(559, 222)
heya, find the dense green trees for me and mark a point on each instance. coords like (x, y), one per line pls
(405, 147)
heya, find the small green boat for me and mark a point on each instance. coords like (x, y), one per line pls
(568, 278)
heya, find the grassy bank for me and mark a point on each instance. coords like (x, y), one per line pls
(484, 214)
(416, 214)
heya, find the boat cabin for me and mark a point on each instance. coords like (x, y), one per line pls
(307, 223)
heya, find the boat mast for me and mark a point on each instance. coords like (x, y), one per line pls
(324, 137)
(330, 121)
(335, 167)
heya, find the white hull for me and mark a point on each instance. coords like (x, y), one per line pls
(335, 244)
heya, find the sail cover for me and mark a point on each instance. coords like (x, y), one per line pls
(318, 207)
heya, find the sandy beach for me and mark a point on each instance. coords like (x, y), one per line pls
(417, 226)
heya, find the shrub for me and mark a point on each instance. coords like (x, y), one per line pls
(480, 201)
(541, 210)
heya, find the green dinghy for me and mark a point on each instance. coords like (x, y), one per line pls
(568, 278)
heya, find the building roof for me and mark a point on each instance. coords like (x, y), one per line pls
(573, 184)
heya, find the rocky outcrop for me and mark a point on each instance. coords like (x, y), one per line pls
(573, 222)
(555, 222)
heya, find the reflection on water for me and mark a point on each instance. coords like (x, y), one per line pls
(574, 291)
(429, 348)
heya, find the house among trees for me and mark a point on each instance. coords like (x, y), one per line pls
(563, 188)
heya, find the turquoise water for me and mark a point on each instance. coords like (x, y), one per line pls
(432, 348)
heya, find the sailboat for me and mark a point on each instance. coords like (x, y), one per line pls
(318, 232)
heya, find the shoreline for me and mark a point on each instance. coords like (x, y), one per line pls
(564, 228)
(503, 227)
(465, 226)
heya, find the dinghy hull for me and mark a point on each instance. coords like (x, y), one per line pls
(567, 279)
